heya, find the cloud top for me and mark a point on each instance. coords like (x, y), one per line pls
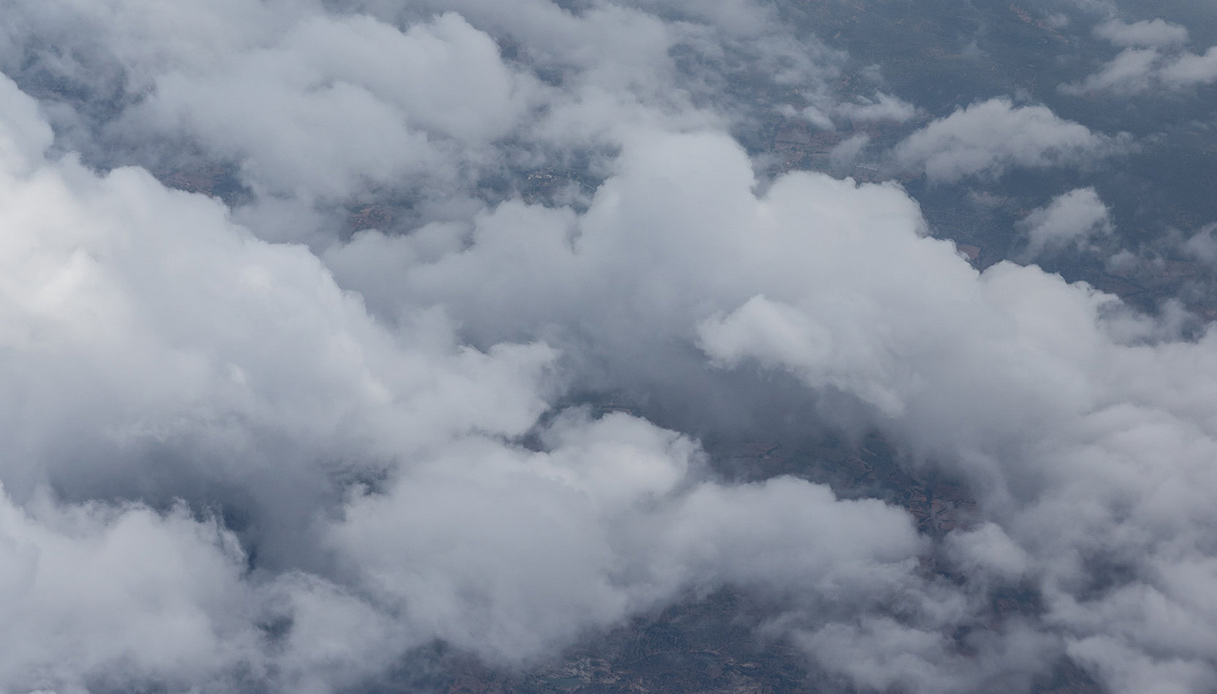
(990, 137)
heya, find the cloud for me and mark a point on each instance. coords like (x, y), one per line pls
(1071, 219)
(1136, 71)
(88, 587)
(384, 494)
(179, 357)
(987, 551)
(1152, 33)
(336, 103)
(835, 284)
(1130, 72)
(990, 137)
(283, 467)
(881, 654)
(1057, 495)
(845, 154)
(513, 554)
(1203, 244)
(884, 107)
(1191, 69)
(1153, 59)
(24, 136)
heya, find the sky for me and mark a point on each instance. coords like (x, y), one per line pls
(333, 330)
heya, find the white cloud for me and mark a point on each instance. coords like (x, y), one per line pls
(845, 154)
(513, 554)
(87, 587)
(335, 103)
(1152, 33)
(1071, 219)
(1153, 59)
(1025, 385)
(989, 137)
(386, 472)
(987, 550)
(1130, 72)
(181, 357)
(1191, 69)
(1203, 244)
(24, 135)
(174, 353)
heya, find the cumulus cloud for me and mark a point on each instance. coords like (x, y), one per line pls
(990, 137)
(835, 284)
(1153, 59)
(87, 587)
(319, 106)
(1191, 69)
(1157, 32)
(1071, 219)
(1102, 438)
(513, 554)
(987, 551)
(1135, 71)
(1130, 72)
(215, 368)
(282, 467)
(336, 103)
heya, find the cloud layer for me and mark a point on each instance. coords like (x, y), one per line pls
(280, 437)
(216, 368)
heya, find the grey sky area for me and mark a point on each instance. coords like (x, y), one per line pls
(597, 346)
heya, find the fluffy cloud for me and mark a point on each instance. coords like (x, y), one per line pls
(1151, 33)
(1135, 71)
(1069, 220)
(384, 496)
(1153, 59)
(337, 103)
(1130, 72)
(1101, 436)
(835, 284)
(88, 587)
(989, 137)
(1191, 69)
(512, 554)
(283, 467)
(1203, 244)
